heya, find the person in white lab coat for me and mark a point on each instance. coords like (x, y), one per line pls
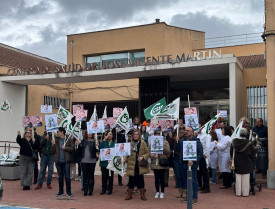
(213, 156)
(202, 173)
(223, 147)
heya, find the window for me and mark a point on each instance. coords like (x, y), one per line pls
(56, 102)
(105, 60)
(256, 104)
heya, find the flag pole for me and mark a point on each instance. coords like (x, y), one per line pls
(188, 101)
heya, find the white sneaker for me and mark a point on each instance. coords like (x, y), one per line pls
(161, 195)
(157, 195)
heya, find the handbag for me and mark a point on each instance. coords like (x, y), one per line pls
(143, 163)
(34, 155)
(163, 162)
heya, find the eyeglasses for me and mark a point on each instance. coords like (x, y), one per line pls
(157, 133)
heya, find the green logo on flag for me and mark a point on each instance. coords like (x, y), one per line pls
(155, 109)
(124, 118)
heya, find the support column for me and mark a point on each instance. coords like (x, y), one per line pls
(11, 120)
(270, 64)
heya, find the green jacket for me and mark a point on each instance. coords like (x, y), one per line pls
(103, 145)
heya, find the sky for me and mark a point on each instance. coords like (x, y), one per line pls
(40, 26)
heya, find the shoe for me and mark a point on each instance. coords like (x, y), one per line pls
(102, 192)
(184, 199)
(90, 193)
(205, 191)
(49, 186)
(142, 194)
(211, 182)
(59, 194)
(129, 194)
(224, 187)
(26, 188)
(69, 195)
(194, 201)
(161, 195)
(120, 184)
(201, 188)
(38, 187)
(109, 192)
(157, 195)
(34, 182)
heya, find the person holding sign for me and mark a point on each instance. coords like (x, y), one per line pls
(27, 145)
(62, 159)
(137, 165)
(87, 151)
(107, 177)
(193, 163)
(158, 167)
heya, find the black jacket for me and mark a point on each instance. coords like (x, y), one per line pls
(81, 149)
(26, 146)
(243, 158)
(44, 148)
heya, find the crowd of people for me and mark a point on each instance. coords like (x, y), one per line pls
(216, 151)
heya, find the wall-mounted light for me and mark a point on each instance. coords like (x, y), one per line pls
(71, 43)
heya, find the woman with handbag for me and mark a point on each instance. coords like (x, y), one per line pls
(137, 165)
(27, 158)
(159, 163)
(243, 153)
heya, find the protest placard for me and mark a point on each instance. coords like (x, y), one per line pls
(81, 115)
(46, 109)
(27, 121)
(36, 121)
(77, 108)
(157, 144)
(123, 149)
(190, 110)
(107, 154)
(223, 113)
(189, 150)
(192, 121)
(117, 111)
(51, 122)
(95, 127)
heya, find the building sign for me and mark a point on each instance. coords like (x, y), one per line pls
(120, 63)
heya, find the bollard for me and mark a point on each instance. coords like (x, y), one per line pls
(189, 188)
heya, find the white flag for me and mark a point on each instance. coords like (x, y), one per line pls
(62, 114)
(76, 132)
(116, 165)
(170, 112)
(206, 128)
(123, 119)
(94, 115)
(236, 133)
(105, 112)
(65, 123)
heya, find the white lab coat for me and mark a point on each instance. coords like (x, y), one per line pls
(205, 141)
(213, 155)
(224, 153)
(219, 134)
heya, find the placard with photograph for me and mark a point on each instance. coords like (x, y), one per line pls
(189, 150)
(190, 110)
(192, 121)
(123, 149)
(95, 127)
(36, 121)
(164, 124)
(51, 122)
(107, 154)
(81, 115)
(46, 109)
(77, 108)
(27, 121)
(157, 144)
(117, 111)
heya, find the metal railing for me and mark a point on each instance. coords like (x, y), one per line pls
(8, 145)
(241, 39)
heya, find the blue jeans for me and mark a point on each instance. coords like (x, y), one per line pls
(63, 169)
(46, 161)
(176, 163)
(214, 175)
(184, 168)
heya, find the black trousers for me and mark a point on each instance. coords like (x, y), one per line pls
(136, 180)
(159, 179)
(88, 176)
(227, 179)
(79, 169)
(35, 171)
(107, 179)
(119, 177)
(203, 174)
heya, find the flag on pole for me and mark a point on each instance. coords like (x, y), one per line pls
(116, 165)
(154, 109)
(105, 112)
(62, 114)
(236, 133)
(94, 115)
(66, 122)
(170, 112)
(123, 119)
(6, 106)
(206, 128)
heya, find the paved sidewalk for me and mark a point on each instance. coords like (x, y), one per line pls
(45, 198)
